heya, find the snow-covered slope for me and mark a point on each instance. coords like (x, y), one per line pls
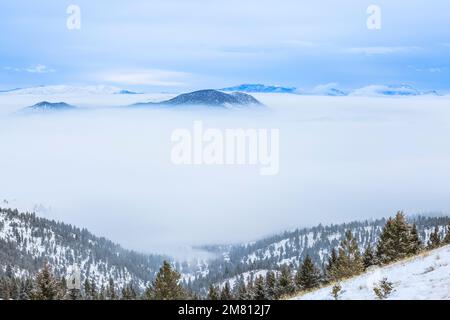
(27, 242)
(425, 277)
(390, 90)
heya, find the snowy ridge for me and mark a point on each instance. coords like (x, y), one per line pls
(27, 242)
(425, 277)
(68, 90)
(292, 247)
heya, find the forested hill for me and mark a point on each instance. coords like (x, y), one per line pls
(27, 242)
(290, 248)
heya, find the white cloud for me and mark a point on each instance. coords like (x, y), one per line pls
(379, 50)
(151, 77)
(40, 68)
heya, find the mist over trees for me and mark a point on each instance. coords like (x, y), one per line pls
(307, 259)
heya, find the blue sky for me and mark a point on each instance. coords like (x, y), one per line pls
(175, 45)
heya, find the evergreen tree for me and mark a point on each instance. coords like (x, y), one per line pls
(368, 257)
(271, 286)
(226, 294)
(395, 240)
(285, 283)
(349, 261)
(308, 276)
(102, 294)
(415, 242)
(111, 290)
(128, 293)
(5, 293)
(213, 293)
(46, 287)
(331, 264)
(87, 290)
(260, 289)
(166, 285)
(250, 289)
(447, 235)
(435, 239)
(240, 288)
(26, 289)
(93, 294)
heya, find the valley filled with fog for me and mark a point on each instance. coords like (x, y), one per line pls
(108, 168)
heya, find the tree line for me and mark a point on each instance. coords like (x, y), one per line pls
(398, 240)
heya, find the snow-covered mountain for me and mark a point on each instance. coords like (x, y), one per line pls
(260, 88)
(424, 277)
(390, 90)
(212, 98)
(46, 106)
(27, 242)
(329, 89)
(292, 247)
(68, 90)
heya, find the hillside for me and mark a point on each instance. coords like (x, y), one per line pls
(212, 98)
(27, 242)
(292, 247)
(425, 277)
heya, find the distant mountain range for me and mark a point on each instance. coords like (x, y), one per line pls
(212, 98)
(209, 98)
(391, 90)
(327, 90)
(321, 90)
(260, 88)
(68, 90)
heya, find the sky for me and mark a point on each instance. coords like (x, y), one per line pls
(178, 45)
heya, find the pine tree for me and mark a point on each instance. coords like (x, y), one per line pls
(332, 260)
(271, 286)
(349, 261)
(260, 289)
(447, 235)
(415, 242)
(26, 289)
(166, 285)
(285, 284)
(87, 290)
(128, 293)
(46, 287)
(94, 293)
(226, 294)
(5, 293)
(435, 239)
(240, 288)
(395, 240)
(213, 293)
(368, 257)
(111, 290)
(101, 294)
(308, 276)
(250, 289)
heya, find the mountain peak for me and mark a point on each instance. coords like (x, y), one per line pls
(248, 87)
(44, 106)
(208, 97)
